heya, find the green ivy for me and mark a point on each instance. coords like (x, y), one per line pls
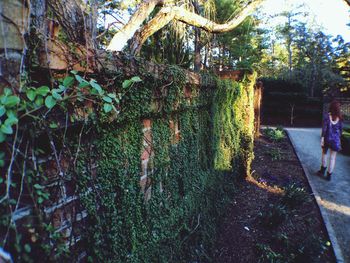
(233, 115)
(192, 179)
(188, 191)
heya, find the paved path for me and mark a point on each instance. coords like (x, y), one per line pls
(332, 197)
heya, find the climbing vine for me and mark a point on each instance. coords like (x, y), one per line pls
(92, 132)
(233, 115)
(35, 154)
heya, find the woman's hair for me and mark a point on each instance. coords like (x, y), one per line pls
(334, 109)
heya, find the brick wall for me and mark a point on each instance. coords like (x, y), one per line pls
(63, 210)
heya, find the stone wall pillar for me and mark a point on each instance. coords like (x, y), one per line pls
(14, 24)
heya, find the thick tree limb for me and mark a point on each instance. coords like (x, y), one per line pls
(210, 26)
(120, 39)
(164, 16)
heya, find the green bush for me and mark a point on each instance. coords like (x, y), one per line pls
(275, 135)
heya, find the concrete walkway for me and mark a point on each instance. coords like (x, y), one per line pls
(332, 197)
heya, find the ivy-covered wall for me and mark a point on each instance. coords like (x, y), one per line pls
(147, 185)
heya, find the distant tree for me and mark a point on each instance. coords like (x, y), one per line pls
(287, 32)
(315, 56)
(341, 63)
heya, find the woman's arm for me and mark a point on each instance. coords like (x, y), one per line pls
(324, 126)
(324, 129)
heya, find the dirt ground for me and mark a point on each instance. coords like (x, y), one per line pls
(273, 217)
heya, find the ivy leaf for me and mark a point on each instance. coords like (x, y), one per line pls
(126, 83)
(74, 72)
(2, 110)
(50, 102)
(136, 79)
(112, 95)
(7, 92)
(68, 81)
(107, 107)
(107, 99)
(61, 88)
(83, 84)
(2, 137)
(38, 186)
(6, 129)
(11, 120)
(11, 101)
(79, 79)
(40, 200)
(39, 101)
(55, 95)
(43, 90)
(27, 248)
(31, 94)
(97, 87)
(11, 113)
(53, 125)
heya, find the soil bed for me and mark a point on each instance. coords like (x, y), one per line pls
(273, 216)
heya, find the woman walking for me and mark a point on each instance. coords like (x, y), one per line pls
(332, 127)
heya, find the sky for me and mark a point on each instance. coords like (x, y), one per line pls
(332, 15)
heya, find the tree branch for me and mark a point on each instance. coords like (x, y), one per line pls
(164, 16)
(120, 39)
(210, 26)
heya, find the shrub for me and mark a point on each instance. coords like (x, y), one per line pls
(309, 249)
(268, 255)
(275, 154)
(274, 134)
(273, 215)
(294, 195)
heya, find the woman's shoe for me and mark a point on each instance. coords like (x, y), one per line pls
(328, 176)
(321, 171)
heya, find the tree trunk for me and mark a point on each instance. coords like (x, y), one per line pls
(197, 50)
(313, 80)
(289, 47)
(206, 55)
(77, 19)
